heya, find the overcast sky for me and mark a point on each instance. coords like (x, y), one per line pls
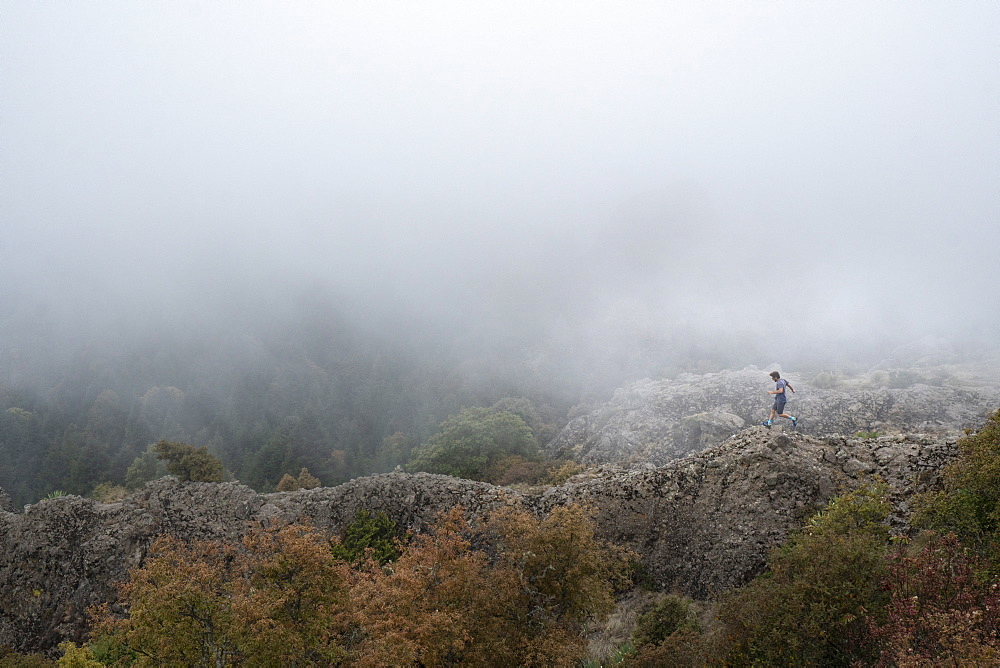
(819, 172)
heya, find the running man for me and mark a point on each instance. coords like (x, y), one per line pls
(779, 400)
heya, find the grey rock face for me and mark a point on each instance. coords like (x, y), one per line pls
(700, 524)
(6, 504)
(659, 421)
(704, 523)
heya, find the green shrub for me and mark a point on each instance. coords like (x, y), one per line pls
(371, 535)
(540, 418)
(470, 444)
(144, 468)
(969, 503)
(670, 615)
(810, 607)
(188, 463)
(107, 650)
(77, 656)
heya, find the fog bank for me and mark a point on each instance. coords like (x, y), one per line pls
(581, 187)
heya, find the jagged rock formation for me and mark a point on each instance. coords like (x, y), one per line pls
(704, 523)
(659, 421)
(701, 524)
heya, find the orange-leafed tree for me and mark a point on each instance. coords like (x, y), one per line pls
(291, 597)
(514, 589)
(305, 480)
(276, 598)
(440, 603)
(474, 595)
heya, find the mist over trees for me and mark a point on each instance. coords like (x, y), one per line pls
(316, 383)
(320, 391)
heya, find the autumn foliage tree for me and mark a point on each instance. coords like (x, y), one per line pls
(562, 567)
(305, 480)
(514, 590)
(441, 603)
(273, 599)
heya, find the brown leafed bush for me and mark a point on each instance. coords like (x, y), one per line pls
(513, 591)
(106, 492)
(305, 480)
(944, 608)
(276, 598)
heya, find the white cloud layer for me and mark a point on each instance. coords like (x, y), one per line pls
(831, 170)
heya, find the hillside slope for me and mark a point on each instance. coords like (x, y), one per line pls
(701, 524)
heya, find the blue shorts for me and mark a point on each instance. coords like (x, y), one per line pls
(779, 405)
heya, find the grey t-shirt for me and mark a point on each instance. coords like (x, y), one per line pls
(782, 384)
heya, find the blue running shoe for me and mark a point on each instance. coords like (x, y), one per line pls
(794, 420)
(765, 423)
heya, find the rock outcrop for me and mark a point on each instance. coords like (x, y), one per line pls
(659, 421)
(6, 503)
(701, 524)
(705, 523)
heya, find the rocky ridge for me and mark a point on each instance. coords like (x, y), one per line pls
(701, 524)
(659, 421)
